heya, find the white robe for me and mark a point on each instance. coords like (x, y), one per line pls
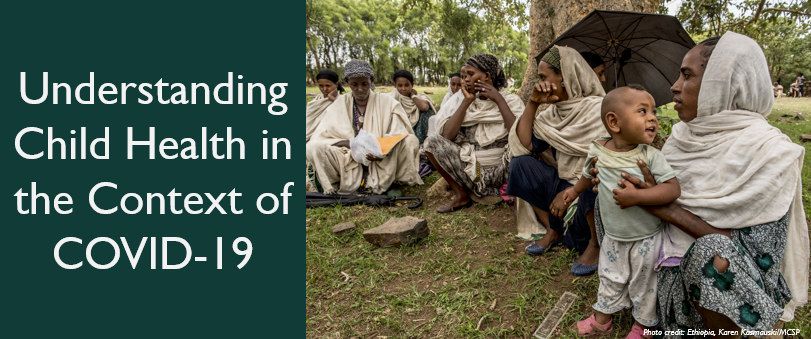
(335, 169)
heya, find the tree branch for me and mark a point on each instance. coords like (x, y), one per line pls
(757, 13)
(786, 10)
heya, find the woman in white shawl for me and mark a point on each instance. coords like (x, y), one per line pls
(379, 115)
(330, 88)
(736, 249)
(468, 148)
(418, 106)
(567, 126)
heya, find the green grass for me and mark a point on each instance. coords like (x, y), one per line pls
(442, 286)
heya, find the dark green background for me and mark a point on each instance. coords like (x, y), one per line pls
(138, 43)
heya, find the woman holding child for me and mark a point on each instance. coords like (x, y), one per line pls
(568, 126)
(735, 252)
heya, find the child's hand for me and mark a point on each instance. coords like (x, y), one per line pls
(626, 197)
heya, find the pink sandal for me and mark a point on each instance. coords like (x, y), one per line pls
(590, 327)
(638, 333)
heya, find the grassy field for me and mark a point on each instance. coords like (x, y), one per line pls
(469, 279)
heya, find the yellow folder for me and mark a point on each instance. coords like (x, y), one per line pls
(387, 143)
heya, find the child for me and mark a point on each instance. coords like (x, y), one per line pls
(630, 248)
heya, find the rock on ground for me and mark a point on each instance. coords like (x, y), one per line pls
(805, 137)
(440, 189)
(344, 228)
(398, 232)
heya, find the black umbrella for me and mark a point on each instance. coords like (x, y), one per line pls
(638, 48)
(320, 199)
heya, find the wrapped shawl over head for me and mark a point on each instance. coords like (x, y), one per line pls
(736, 170)
(569, 126)
(384, 117)
(315, 112)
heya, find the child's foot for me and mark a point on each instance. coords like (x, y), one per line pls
(637, 332)
(590, 327)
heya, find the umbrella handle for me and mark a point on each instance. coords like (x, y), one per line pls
(411, 207)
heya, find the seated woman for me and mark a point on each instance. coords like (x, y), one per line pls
(379, 115)
(455, 83)
(736, 250)
(330, 89)
(596, 63)
(778, 90)
(418, 106)
(468, 149)
(568, 126)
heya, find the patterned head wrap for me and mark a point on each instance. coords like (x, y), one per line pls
(359, 69)
(331, 76)
(489, 64)
(553, 57)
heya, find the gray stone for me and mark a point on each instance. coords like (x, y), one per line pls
(805, 137)
(398, 232)
(799, 117)
(344, 228)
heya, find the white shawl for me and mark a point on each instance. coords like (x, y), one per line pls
(570, 126)
(315, 111)
(411, 109)
(484, 113)
(736, 170)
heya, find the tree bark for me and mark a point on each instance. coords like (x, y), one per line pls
(550, 18)
(315, 53)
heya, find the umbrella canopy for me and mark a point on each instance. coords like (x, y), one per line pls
(638, 48)
(319, 199)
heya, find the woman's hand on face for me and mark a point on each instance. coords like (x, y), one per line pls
(333, 95)
(371, 157)
(561, 202)
(593, 171)
(488, 91)
(467, 94)
(542, 93)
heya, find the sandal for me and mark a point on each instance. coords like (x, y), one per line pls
(534, 249)
(580, 270)
(590, 327)
(638, 332)
(445, 209)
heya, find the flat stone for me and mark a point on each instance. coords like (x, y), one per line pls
(805, 137)
(344, 228)
(799, 117)
(428, 91)
(398, 232)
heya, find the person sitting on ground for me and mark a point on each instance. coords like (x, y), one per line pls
(330, 89)
(632, 237)
(471, 134)
(567, 126)
(778, 90)
(455, 83)
(793, 91)
(379, 115)
(418, 106)
(596, 63)
(458, 80)
(735, 253)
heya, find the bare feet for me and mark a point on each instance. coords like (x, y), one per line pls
(458, 202)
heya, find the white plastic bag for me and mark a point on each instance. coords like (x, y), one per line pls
(364, 144)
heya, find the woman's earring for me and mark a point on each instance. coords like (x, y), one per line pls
(562, 85)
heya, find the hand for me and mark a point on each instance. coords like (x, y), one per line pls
(342, 143)
(561, 203)
(413, 92)
(638, 183)
(593, 171)
(627, 196)
(466, 92)
(333, 95)
(487, 91)
(371, 157)
(542, 93)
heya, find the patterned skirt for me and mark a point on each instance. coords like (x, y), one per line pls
(751, 292)
(421, 128)
(446, 153)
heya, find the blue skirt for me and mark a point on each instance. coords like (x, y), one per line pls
(538, 184)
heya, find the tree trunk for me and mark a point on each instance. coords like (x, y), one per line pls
(315, 53)
(550, 18)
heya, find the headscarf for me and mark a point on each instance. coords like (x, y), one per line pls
(331, 76)
(359, 69)
(450, 92)
(736, 170)
(569, 126)
(489, 64)
(552, 57)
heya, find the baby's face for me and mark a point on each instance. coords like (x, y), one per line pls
(637, 118)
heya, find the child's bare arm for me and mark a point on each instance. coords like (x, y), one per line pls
(660, 194)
